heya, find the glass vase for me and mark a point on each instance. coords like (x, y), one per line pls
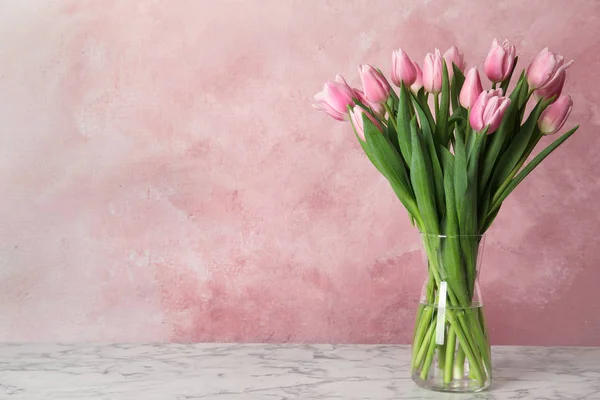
(450, 350)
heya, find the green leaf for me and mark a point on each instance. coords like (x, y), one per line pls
(468, 212)
(451, 251)
(438, 178)
(433, 154)
(517, 147)
(482, 208)
(451, 246)
(461, 125)
(500, 197)
(391, 135)
(457, 83)
(403, 124)
(420, 103)
(524, 94)
(460, 169)
(388, 162)
(456, 118)
(441, 127)
(489, 219)
(451, 218)
(421, 178)
(371, 157)
(427, 124)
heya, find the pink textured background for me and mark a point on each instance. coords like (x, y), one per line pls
(164, 178)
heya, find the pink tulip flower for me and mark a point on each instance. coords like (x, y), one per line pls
(552, 88)
(403, 69)
(544, 67)
(471, 89)
(335, 98)
(432, 72)
(375, 86)
(488, 110)
(554, 117)
(500, 61)
(453, 55)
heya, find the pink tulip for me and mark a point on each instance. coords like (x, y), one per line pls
(335, 98)
(496, 92)
(499, 61)
(375, 86)
(415, 87)
(554, 117)
(471, 89)
(432, 72)
(552, 88)
(356, 116)
(545, 66)
(378, 109)
(452, 55)
(488, 110)
(403, 69)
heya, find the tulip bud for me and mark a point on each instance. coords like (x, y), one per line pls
(356, 116)
(403, 69)
(432, 72)
(554, 117)
(500, 61)
(335, 98)
(415, 87)
(471, 89)
(544, 67)
(452, 55)
(488, 110)
(375, 86)
(552, 88)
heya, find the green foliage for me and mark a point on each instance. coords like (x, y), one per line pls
(415, 149)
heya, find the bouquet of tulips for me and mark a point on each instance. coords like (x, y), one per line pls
(453, 152)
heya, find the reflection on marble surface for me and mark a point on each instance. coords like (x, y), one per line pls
(236, 371)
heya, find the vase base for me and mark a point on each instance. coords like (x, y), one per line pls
(455, 386)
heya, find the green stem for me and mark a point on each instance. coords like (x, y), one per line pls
(436, 101)
(480, 339)
(471, 342)
(459, 363)
(469, 350)
(422, 324)
(441, 350)
(426, 344)
(429, 358)
(450, 350)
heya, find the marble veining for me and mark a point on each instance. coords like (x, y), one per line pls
(263, 371)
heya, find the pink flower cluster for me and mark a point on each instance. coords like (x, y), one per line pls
(545, 76)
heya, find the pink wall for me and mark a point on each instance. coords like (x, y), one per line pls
(164, 177)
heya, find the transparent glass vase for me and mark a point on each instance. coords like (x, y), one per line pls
(450, 350)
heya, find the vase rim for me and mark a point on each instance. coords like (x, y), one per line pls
(451, 236)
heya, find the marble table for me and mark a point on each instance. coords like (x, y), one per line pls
(236, 371)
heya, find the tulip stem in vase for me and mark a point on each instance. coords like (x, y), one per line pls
(452, 169)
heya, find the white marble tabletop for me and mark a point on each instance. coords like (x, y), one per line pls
(248, 372)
